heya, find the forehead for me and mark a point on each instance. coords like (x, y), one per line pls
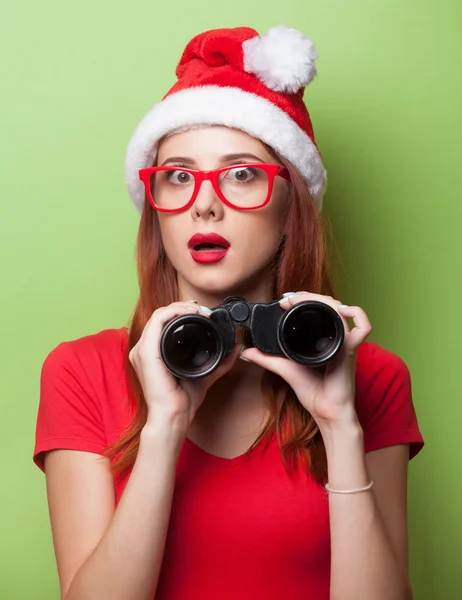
(210, 142)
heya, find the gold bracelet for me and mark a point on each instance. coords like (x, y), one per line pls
(356, 491)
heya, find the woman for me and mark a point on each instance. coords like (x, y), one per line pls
(266, 478)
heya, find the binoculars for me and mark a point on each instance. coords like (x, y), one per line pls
(310, 333)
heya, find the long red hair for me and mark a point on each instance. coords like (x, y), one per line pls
(303, 262)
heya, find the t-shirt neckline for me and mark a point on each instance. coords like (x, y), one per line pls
(229, 462)
(213, 458)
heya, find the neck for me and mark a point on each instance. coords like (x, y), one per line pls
(236, 394)
(261, 291)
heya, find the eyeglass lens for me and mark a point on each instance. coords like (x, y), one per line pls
(244, 187)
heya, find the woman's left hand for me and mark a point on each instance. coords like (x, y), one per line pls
(327, 392)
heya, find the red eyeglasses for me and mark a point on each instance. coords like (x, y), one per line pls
(243, 187)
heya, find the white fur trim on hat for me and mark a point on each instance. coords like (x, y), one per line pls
(231, 107)
(283, 59)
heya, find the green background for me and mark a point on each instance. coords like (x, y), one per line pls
(75, 80)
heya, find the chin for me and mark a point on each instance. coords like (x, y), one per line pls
(219, 285)
(223, 283)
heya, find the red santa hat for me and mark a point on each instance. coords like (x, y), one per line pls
(236, 78)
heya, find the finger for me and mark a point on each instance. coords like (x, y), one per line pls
(277, 364)
(225, 366)
(204, 383)
(304, 292)
(164, 313)
(306, 296)
(159, 319)
(287, 301)
(362, 326)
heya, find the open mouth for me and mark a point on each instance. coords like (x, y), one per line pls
(208, 242)
(207, 247)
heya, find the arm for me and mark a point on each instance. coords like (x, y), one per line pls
(104, 553)
(124, 563)
(369, 529)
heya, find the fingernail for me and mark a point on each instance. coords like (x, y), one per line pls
(205, 310)
(241, 357)
(195, 301)
(288, 295)
(282, 300)
(343, 306)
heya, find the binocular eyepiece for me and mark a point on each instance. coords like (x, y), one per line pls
(310, 333)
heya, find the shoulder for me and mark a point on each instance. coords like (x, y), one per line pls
(106, 346)
(378, 370)
(91, 360)
(82, 391)
(375, 361)
(384, 402)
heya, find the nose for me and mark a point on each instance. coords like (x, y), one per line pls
(207, 204)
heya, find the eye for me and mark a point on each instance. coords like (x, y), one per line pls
(241, 175)
(179, 177)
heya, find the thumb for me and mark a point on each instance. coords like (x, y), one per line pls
(225, 366)
(277, 364)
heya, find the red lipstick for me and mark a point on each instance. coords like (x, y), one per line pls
(208, 248)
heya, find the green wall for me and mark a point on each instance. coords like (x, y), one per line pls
(75, 80)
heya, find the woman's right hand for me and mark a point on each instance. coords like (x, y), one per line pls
(166, 396)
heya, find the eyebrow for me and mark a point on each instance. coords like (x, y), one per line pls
(225, 158)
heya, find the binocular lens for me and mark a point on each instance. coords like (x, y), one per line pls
(190, 348)
(310, 334)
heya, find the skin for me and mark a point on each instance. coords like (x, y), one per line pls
(369, 529)
(254, 235)
(234, 402)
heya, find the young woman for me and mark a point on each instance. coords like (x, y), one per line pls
(267, 478)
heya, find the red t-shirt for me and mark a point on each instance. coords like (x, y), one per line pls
(240, 527)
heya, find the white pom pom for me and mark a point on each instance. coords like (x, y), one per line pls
(283, 59)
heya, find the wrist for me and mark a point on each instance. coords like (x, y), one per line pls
(158, 445)
(168, 429)
(348, 439)
(343, 434)
(346, 459)
(346, 424)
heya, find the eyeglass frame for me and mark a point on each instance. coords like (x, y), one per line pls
(272, 170)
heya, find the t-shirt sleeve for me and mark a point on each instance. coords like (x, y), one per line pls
(384, 402)
(69, 413)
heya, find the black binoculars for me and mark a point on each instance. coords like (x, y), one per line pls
(310, 333)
